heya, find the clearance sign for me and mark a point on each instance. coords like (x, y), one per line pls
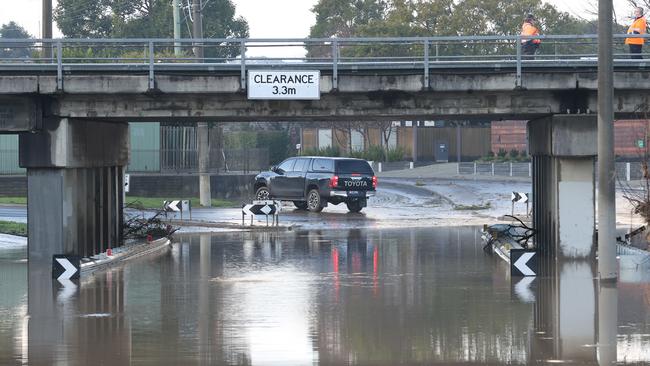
(289, 85)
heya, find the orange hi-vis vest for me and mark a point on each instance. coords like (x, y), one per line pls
(528, 29)
(639, 25)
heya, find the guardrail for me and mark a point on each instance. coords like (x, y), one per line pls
(64, 56)
(625, 171)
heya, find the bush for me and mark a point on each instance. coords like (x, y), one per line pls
(327, 151)
(374, 153)
(396, 154)
(514, 154)
(523, 156)
(502, 154)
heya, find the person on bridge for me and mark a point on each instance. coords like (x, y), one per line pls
(529, 46)
(638, 27)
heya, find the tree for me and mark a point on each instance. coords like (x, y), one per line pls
(403, 18)
(148, 19)
(12, 30)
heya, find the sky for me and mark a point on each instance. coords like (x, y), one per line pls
(266, 18)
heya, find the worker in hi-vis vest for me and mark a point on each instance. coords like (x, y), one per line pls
(637, 27)
(529, 46)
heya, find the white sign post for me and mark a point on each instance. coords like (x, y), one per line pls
(284, 85)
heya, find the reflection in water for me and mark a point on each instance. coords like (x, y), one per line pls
(329, 297)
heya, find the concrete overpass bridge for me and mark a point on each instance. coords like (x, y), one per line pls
(71, 112)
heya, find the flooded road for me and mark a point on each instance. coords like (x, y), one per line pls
(330, 297)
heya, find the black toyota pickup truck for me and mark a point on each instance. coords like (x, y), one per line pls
(313, 182)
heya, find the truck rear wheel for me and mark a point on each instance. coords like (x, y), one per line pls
(354, 206)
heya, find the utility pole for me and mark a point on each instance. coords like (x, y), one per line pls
(202, 130)
(47, 28)
(177, 27)
(197, 29)
(607, 266)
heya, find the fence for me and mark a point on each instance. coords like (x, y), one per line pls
(625, 171)
(495, 169)
(9, 162)
(424, 53)
(187, 160)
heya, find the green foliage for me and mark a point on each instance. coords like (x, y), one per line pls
(148, 19)
(277, 142)
(13, 228)
(12, 30)
(402, 18)
(240, 140)
(513, 154)
(377, 153)
(501, 154)
(327, 151)
(13, 200)
(143, 203)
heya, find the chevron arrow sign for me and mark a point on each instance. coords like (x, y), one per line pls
(518, 197)
(172, 206)
(65, 267)
(523, 263)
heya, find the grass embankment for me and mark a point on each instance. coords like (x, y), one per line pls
(13, 228)
(13, 200)
(145, 202)
(157, 202)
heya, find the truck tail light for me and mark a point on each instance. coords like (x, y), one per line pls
(334, 181)
(374, 181)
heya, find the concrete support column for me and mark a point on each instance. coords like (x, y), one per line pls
(205, 197)
(563, 150)
(565, 311)
(74, 188)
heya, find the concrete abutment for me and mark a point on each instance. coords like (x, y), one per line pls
(74, 187)
(564, 152)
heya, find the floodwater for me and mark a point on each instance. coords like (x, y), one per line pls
(331, 297)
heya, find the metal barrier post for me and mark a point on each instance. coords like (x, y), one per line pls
(492, 169)
(59, 65)
(511, 169)
(152, 82)
(474, 168)
(242, 76)
(426, 65)
(627, 172)
(335, 66)
(518, 77)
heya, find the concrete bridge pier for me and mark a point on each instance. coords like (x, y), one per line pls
(74, 184)
(564, 148)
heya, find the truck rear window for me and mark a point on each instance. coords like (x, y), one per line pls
(323, 165)
(353, 166)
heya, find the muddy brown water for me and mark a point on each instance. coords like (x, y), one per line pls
(331, 297)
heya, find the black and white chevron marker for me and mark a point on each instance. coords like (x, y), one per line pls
(523, 262)
(172, 206)
(264, 208)
(518, 197)
(65, 267)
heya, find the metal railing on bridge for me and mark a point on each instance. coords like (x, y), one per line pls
(328, 54)
(625, 171)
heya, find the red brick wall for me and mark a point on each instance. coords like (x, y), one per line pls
(626, 134)
(510, 135)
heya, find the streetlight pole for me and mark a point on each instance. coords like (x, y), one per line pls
(177, 27)
(607, 266)
(47, 28)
